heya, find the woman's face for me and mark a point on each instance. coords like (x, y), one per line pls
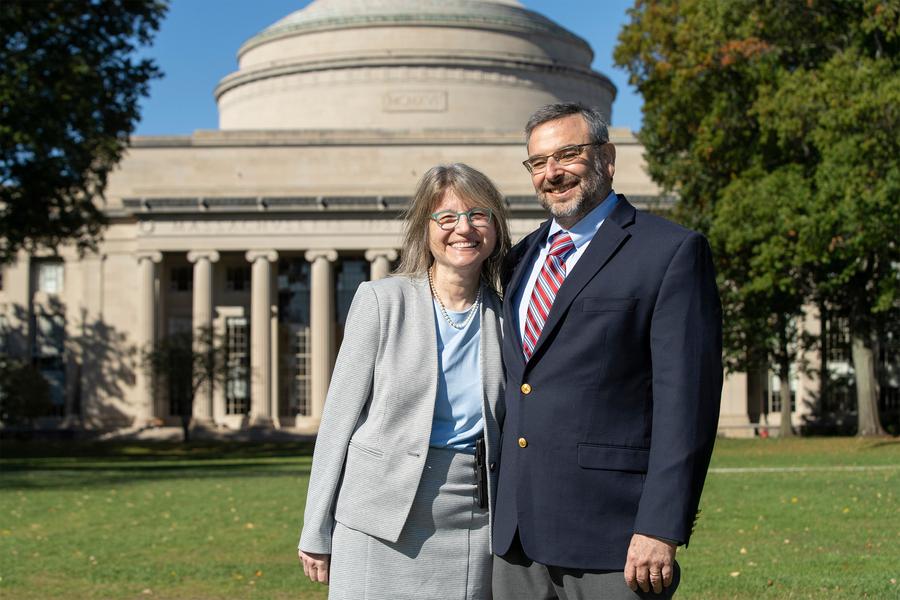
(464, 247)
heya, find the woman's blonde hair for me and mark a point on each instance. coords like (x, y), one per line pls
(474, 188)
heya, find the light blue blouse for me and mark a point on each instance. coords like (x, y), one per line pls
(458, 418)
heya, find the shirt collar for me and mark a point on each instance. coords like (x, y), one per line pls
(583, 231)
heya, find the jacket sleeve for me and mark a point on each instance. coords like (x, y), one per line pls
(350, 390)
(686, 354)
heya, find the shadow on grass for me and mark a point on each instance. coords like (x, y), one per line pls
(890, 443)
(149, 451)
(91, 464)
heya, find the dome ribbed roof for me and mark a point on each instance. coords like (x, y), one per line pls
(340, 14)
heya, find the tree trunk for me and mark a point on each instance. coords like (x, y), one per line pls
(866, 386)
(186, 427)
(784, 359)
(784, 393)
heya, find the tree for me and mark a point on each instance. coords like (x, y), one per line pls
(763, 292)
(804, 94)
(185, 364)
(69, 91)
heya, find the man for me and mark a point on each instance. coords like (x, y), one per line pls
(612, 347)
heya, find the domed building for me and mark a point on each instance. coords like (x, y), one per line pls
(263, 228)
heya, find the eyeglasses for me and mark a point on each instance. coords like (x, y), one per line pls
(448, 219)
(564, 156)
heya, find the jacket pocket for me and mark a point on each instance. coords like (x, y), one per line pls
(613, 458)
(608, 304)
(365, 449)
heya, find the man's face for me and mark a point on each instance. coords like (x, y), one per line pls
(570, 191)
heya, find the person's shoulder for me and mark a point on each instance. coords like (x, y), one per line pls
(395, 286)
(663, 229)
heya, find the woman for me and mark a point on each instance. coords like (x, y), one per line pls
(394, 509)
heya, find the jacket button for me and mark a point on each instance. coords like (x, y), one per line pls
(522, 442)
(526, 388)
(493, 466)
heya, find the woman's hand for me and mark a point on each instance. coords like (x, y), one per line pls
(315, 566)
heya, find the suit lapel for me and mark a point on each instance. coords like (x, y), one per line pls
(527, 249)
(423, 314)
(611, 235)
(491, 363)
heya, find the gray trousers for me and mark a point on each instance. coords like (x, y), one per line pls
(515, 576)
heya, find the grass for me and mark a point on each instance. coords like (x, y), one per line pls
(221, 521)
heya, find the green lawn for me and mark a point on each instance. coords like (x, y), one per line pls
(221, 521)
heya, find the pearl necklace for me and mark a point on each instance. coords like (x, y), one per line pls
(473, 310)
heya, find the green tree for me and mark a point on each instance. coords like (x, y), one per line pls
(798, 101)
(763, 291)
(186, 364)
(69, 91)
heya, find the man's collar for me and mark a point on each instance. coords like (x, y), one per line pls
(587, 226)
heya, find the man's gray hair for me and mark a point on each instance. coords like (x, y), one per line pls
(597, 125)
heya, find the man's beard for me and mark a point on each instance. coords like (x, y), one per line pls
(586, 198)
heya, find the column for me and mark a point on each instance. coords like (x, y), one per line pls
(146, 333)
(202, 322)
(381, 260)
(809, 365)
(321, 327)
(260, 334)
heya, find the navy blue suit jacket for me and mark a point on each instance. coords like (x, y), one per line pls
(615, 432)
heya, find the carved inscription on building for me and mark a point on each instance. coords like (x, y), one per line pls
(415, 101)
(262, 227)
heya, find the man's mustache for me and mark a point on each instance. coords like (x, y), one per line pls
(565, 180)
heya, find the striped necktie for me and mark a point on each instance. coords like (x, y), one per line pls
(545, 288)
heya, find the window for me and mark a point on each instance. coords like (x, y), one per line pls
(351, 273)
(181, 279)
(237, 361)
(293, 331)
(775, 394)
(837, 339)
(49, 276)
(49, 335)
(293, 377)
(48, 348)
(237, 279)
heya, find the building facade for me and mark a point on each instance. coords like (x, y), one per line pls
(263, 228)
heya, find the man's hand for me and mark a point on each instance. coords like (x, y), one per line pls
(315, 566)
(650, 563)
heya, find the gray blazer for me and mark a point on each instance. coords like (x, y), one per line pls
(376, 425)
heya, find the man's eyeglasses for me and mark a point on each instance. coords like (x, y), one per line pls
(478, 217)
(564, 156)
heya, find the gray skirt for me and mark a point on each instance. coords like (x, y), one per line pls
(444, 548)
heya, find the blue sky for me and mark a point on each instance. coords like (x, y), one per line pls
(198, 41)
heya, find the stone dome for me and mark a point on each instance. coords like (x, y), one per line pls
(408, 65)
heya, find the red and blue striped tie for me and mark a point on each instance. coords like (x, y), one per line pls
(545, 288)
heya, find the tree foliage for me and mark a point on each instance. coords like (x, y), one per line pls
(185, 364)
(69, 90)
(778, 125)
